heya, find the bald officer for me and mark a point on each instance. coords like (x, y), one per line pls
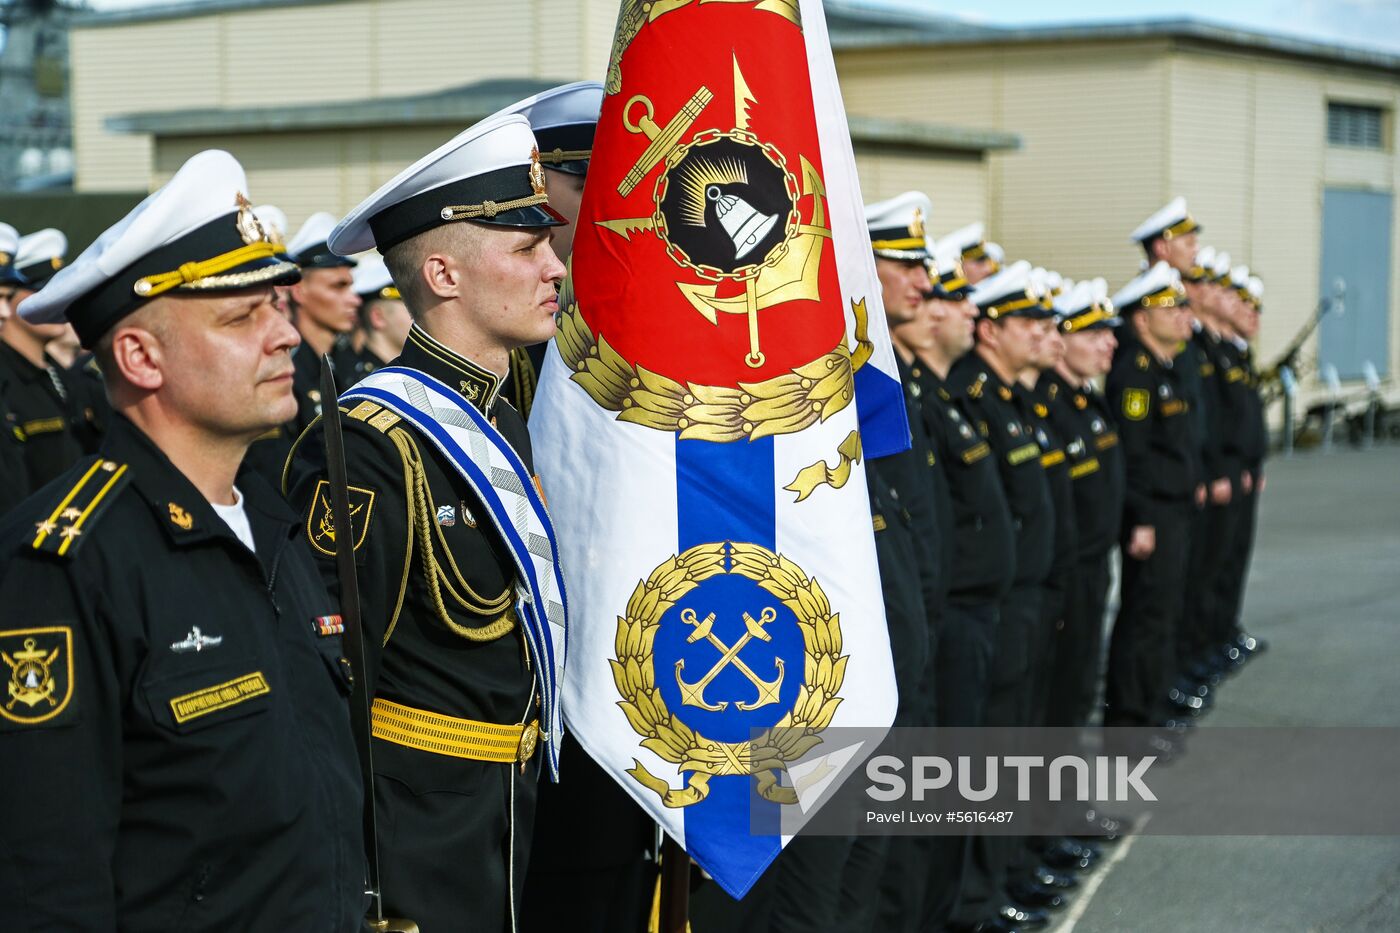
(176, 716)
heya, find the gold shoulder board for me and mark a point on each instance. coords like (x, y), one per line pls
(374, 415)
(67, 521)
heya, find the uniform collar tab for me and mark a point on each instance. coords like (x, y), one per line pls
(476, 383)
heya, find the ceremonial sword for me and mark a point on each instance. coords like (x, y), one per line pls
(375, 922)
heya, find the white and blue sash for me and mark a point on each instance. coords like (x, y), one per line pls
(495, 472)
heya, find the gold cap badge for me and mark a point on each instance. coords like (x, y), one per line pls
(250, 228)
(536, 171)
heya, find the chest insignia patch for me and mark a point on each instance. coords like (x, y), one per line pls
(196, 640)
(1136, 403)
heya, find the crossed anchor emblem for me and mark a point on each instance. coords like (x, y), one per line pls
(693, 694)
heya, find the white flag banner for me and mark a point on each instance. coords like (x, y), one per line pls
(702, 421)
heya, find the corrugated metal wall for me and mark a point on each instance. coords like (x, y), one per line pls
(347, 50)
(1111, 132)
(957, 184)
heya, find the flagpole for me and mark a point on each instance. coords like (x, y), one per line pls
(675, 888)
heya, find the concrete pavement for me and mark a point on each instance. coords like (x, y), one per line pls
(1325, 593)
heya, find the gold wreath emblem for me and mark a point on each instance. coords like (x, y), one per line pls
(665, 735)
(782, 405)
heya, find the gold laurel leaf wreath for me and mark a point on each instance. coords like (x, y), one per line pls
(782, 405)
(672, 740)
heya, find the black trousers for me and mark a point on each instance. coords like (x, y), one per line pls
(1235, 570)
(1079, 651)
(808, 888)
(590, 866)
(1209, 541)
(1018, 629)
(923, 878)
(1044, 649)
(445, 848)
(1142, 651)
(1008, 704)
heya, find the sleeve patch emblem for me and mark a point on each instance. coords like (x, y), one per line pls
(1136, 403)
(320, 524)
(38, 673)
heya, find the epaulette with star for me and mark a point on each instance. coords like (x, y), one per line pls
(68, 520)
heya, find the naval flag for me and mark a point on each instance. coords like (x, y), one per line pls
(721, 373)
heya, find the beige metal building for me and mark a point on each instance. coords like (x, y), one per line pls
(323, 101)
(1062, 140)
(1285, 150)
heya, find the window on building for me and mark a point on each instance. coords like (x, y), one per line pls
(1359, 126)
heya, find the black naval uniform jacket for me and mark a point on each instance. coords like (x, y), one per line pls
(1012, 437)
(526, 364)
(176, 737)
(438, 589)
(449, 643)
(1158, 438)
(982, 542)
(935, 532)
(1248, 439)
(14, 471)
(44, 402)
(1095, 462)
(1214, 417)
(899, 557)
(1193, 370)
(1055, 460)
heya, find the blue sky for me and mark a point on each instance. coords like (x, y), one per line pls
(1374, 23)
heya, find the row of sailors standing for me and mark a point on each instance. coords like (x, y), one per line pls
(1050, 426)
(52, 403)
(52, 407)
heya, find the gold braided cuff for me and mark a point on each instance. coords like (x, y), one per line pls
(490, 209)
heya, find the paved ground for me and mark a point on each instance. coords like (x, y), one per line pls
(1325, 592)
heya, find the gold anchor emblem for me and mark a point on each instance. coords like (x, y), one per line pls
(30, 680)
(788, 272)
(693, 694)
(327, 522)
